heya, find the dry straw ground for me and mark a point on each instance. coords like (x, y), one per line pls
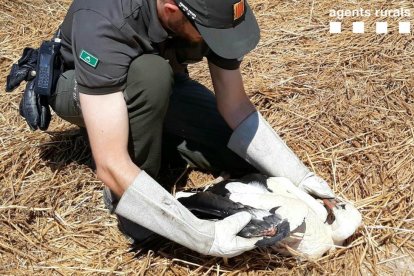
(343, 102)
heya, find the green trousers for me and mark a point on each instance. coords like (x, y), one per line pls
(172, 118)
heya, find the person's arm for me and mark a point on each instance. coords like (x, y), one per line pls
(106, 121)
(255, 140)
(232, 101)
(143, 200)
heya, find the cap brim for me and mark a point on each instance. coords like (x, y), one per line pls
(233, 43)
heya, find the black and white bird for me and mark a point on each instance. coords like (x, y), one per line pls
(215, 203)
(294, 221)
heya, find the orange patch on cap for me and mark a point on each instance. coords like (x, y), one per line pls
(238, 9)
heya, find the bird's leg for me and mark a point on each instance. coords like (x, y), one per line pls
(226, 260)
(329, 204)
(222, 177)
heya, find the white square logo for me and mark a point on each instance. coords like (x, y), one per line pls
(381, 27)
(404, 27)
(335, 27)
(358, 27)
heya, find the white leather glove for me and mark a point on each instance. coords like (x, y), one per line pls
(256, 142)
(146, 203)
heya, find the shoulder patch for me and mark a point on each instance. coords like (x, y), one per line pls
(89, 59)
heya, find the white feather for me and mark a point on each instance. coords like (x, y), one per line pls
(291, 209)
(251, 188)
(311, 240)
(183, 194)
(282, 185)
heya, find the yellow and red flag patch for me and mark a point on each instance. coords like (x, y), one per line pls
(238, 9)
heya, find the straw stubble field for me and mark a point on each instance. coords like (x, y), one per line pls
(343, 102)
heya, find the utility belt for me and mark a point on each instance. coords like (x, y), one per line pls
(41, 69)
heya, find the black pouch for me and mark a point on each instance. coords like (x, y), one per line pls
(49, 67)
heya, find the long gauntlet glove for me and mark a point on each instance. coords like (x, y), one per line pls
(145, 202)
(255, 141)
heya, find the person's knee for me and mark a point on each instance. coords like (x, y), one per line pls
(152, 76)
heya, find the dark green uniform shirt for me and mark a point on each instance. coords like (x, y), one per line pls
(100, 38)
